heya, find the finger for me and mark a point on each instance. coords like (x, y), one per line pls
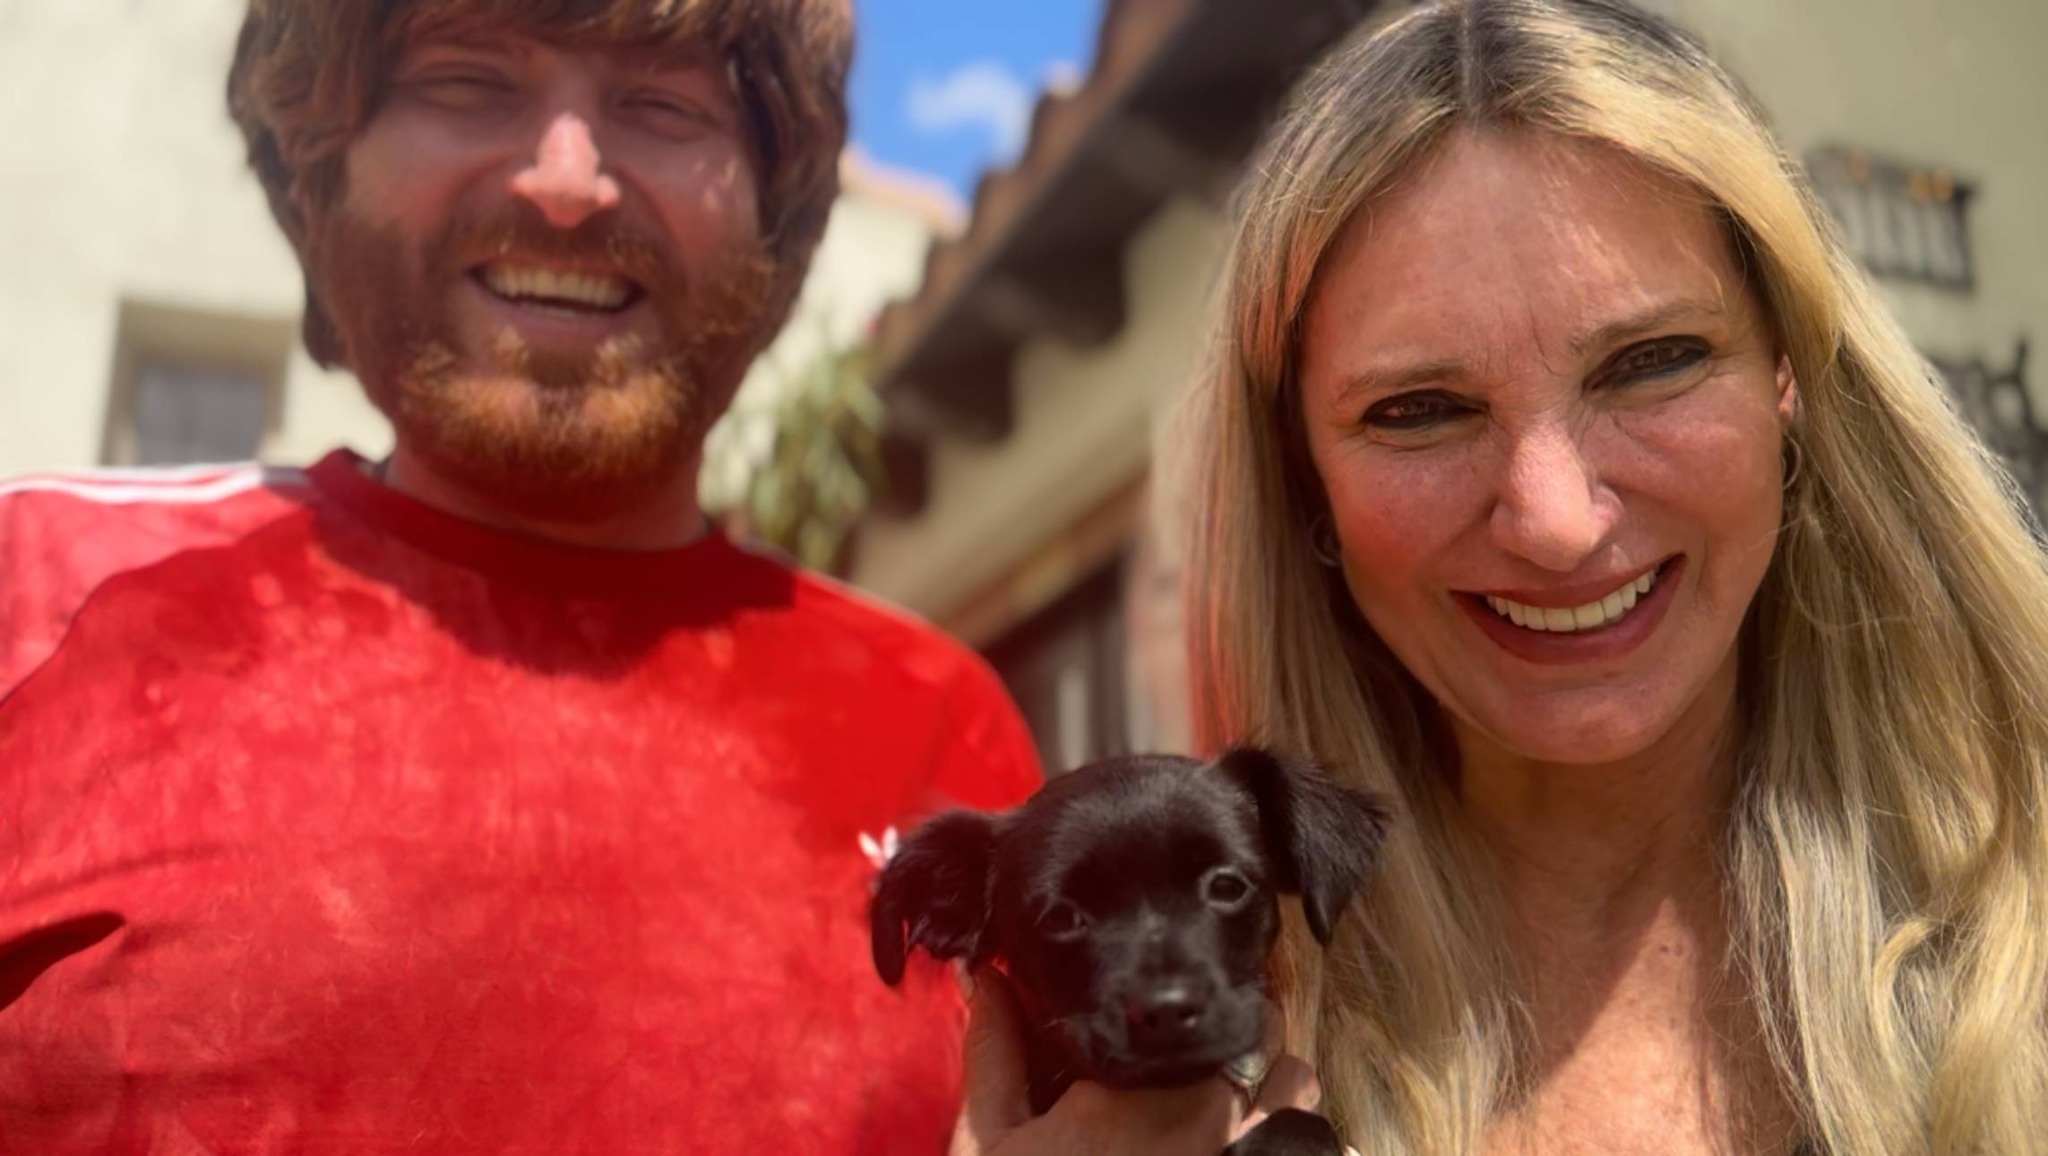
(1289, 1083)
(997, 1090)
(1092, 1118)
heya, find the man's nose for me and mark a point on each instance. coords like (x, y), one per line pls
(1553, 508)
(566, 180)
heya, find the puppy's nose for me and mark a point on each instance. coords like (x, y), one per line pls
(1166, 1014)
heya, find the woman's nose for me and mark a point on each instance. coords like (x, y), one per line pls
(1553, 509)
(566, 180)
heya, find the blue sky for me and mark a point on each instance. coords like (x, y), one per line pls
(946, 87)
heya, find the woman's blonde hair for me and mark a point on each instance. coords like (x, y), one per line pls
(1887, 855)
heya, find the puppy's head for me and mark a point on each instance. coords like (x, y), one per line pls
(1133, 902)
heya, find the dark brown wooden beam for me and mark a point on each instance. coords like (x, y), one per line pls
(1166, 161)
(968, 398)
(906, 476)
(1077, 298)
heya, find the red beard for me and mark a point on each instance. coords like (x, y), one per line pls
(544, 434)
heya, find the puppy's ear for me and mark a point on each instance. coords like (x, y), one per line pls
(1322, 838)
(934, 893)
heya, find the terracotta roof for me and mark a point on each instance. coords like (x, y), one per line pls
(1172, 105)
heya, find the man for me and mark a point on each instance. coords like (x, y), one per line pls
(482, 799)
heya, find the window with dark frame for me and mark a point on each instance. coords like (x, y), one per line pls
(192, 414)
(1902, 222)
(1066, 669)
(193, 386)
(1994, 398)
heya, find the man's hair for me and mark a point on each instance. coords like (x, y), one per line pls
(308, 74)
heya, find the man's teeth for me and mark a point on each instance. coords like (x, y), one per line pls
(578, 289)
(1591, 616)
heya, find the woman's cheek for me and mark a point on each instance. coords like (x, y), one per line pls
(1395, 513)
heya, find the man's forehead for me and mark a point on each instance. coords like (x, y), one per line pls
(633, 37)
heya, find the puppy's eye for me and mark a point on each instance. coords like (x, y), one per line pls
(1226, 889)
(1063, 922)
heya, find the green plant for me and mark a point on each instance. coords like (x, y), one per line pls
(825, 468)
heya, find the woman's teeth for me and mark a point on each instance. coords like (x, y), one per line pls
(1591, 616)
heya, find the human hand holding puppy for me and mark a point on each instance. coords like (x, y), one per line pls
(1199, 1120)
(1127, 913)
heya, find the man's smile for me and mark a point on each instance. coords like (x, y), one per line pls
(580, 291)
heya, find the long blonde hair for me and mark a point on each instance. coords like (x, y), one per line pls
(1887, 858)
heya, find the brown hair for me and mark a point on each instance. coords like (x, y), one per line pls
(307, 75)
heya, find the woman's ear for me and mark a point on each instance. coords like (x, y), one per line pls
(1788, 393)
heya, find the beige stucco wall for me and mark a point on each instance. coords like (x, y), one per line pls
(1945, 83)
(1956, 84)
(1083, 429)
(122, 179)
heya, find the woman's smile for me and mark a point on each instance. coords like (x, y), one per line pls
(1556, 627)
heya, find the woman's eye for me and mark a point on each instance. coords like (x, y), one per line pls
(1657, 359)
(1413, 411)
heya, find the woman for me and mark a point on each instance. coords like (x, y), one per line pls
(1560, 474)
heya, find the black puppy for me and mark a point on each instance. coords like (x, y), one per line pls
(1133, 904)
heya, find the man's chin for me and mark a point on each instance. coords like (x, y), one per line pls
(551, 452)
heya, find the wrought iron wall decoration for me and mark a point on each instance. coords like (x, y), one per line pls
(1997, 403)
(1901, 222)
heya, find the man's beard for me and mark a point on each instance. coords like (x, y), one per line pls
(541, 434)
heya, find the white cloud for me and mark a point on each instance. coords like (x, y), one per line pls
(983, 94)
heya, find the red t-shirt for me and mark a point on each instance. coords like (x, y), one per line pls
(332, 824)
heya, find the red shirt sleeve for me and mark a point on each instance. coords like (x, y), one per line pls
(61, 536)
(993, 764)
(982, 754)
